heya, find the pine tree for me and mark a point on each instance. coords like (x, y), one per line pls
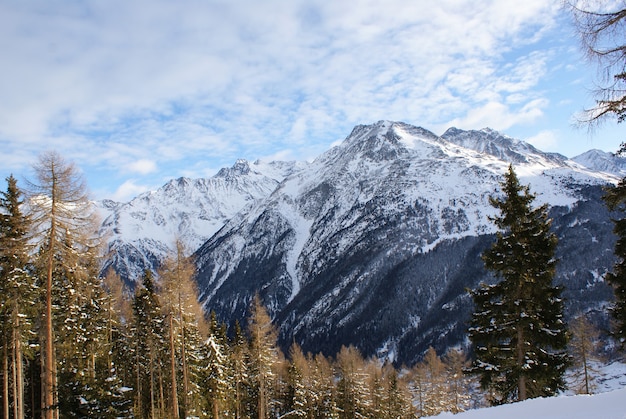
(217, 384)
(353, 398)
(264, 356)
(239, 366)
(459, 385)
(18, 296)
(615, 199)
(148, 349)
(323, 381)
(398, 401)
(517, 327)
(184, 316)
(300, 400)
(376, 386)
(63, 218)
(119, 357)
(583, 348)
(429, 385)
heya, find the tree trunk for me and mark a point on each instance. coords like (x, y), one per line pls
(138, 390)
(18, 372)
(184, 359)
(162, 408)
(521, 383)
(216, 408)
(174, 385)
(47, 410)
(19, 378)
(5, 380)
(586, 372)
(185, 376)
(261, 402)
(152, 402)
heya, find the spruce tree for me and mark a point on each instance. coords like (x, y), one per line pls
(615, 199)
(148, 349)
(18, 296)
(240, 368)
(517, 328)
(216, 381)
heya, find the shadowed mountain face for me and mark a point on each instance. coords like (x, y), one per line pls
(376, 241)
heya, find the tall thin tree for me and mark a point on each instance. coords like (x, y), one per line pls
(264, 354)
(64, 223)
(583, 348)
(17, 292)
(149, 346)
(615, 199)
(185, 320)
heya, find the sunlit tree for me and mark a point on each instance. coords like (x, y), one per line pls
(64, 224)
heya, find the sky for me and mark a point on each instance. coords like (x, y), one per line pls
(138, 92)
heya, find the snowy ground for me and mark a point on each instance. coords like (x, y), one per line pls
(609, 403)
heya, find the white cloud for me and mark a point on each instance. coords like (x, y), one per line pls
(501, 116)
(128, 190)
(142, 166)
(544, 140)
(139, 86)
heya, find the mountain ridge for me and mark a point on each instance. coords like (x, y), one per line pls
(142, 231)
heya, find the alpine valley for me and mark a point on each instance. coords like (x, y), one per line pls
(376, 241)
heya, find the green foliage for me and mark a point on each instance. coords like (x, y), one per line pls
(517, 329)
(615, 199)
(19, 296)
(148, 344)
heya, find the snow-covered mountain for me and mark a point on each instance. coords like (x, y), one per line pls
(141, 232)
(375, 242)
(602, 161)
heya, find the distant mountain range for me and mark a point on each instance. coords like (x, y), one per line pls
(141, 232)
(603, 162)
(375, 242)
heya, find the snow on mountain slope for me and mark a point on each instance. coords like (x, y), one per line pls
(503, 147)
(602, 162)
(142, 231)
(375, 242)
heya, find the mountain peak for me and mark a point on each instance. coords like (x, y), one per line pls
(384, 140)
(602, 161)
(241, 167)
(494, 143)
